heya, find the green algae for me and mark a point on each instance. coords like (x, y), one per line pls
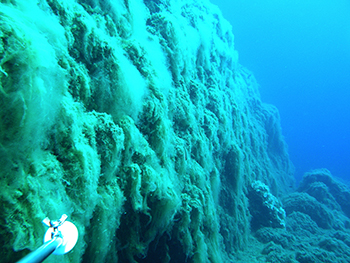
(136, 120)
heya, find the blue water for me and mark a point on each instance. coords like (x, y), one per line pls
(299, 52)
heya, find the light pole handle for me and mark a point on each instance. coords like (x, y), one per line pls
(42, 252)
(59, 239)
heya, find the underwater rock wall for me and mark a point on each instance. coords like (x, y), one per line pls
(136, 120)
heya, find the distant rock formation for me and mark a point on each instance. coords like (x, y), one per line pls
(136, 120)
(317, 224)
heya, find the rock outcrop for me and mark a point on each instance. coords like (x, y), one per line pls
(136, 120)
(317, 225)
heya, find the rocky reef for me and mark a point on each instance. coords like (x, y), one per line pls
(136, 120)
(317, 225)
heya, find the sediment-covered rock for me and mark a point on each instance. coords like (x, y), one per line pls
(317, 229)
(266, 210)
(321, 185)
(306, 204)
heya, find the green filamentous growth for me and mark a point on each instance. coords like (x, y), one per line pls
(135, 119)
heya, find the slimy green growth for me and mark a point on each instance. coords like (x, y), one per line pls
(136, 120)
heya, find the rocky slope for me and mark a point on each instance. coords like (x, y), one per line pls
(136, 120)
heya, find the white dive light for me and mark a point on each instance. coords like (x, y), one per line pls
(67, 231)
(59, 239)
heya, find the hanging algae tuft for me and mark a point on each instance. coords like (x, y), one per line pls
(136, 120)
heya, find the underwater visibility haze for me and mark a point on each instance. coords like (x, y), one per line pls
(299, 51)
(138, 120)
